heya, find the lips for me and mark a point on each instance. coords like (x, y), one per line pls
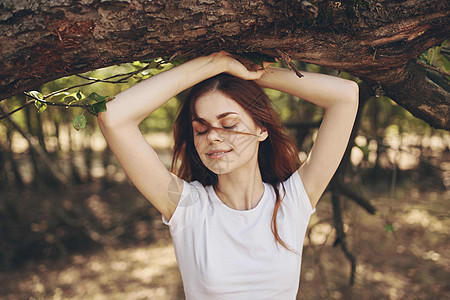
(217, 153)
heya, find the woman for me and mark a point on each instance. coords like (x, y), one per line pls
(239, 205)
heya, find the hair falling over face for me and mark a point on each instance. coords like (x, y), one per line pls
(277, 156)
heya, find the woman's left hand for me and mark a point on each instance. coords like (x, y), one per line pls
(237, 66)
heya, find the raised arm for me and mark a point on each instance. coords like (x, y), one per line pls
(339, 98)
(119, 124)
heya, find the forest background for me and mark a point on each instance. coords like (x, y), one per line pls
(72, 226)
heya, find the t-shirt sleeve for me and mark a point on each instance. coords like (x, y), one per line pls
(297, 196)
(188, 208)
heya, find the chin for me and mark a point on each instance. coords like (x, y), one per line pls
(218, 170)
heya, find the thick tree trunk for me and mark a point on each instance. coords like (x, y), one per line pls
(44, 40)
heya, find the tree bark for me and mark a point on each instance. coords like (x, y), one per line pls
(45, 40)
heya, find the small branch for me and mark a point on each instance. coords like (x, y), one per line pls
(95, 80)
(289, 62)
(5, 115)
(433, 68)
(340, 234)
(360, 200)
(101, 80)
(56, 104)
(66, 89)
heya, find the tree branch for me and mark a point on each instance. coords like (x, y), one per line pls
(365, 42)
(340, 234)
(432, 68)
(421, 96)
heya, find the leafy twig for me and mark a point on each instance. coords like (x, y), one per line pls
(55, 103)
(88, 107)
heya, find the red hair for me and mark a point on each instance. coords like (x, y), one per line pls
(277, 156)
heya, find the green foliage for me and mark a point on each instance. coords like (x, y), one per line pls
(94, 103)
(100, 105)
(437, 56)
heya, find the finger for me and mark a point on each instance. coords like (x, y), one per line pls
(253, 75)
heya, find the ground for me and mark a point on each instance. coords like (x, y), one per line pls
(413, 262)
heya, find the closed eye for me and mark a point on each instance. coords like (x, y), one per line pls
(201, 132)
(229, 127)
(200, 128)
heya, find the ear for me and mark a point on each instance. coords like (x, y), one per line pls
(262, 134)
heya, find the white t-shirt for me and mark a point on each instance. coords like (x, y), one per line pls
(224, 253)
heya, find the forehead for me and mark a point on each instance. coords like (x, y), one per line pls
(215, 103)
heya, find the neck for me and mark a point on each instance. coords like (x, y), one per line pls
(240, 190)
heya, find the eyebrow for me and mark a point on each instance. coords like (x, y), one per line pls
(221, 116)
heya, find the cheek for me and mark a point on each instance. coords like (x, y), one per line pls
(242, 141)
(199, 142)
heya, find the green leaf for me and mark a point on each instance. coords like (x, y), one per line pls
(37, 95)
(137, 64)
(155, 64)
(389, 228)
(96, 97)
(79, 122)
(146, 72)
(79, 95)
(70, 99)
(98, 107)
(40, 106)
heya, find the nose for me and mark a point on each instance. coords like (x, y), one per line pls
(215, 135)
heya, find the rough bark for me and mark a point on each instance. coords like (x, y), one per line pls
(41, 40)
